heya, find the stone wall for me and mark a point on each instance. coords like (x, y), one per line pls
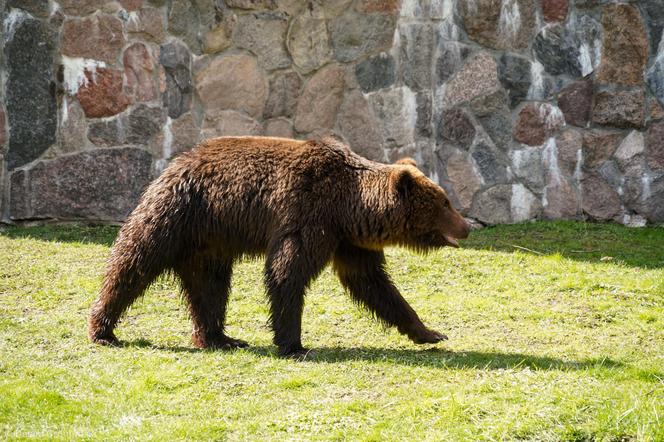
(521, 109)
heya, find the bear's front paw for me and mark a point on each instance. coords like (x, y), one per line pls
(427, 336)
(219, 343)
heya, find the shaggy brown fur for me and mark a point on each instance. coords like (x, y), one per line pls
(301, 203)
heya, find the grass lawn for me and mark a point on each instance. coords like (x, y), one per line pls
(556, 333)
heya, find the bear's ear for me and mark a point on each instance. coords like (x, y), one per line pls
(406, 161)
(401, 181)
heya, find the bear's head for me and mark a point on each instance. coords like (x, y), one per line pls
(430, 220)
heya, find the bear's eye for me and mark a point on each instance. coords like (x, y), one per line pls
(447, 204)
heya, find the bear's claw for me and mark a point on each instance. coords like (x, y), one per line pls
(222, 343)
(108, 340)
(428, 337)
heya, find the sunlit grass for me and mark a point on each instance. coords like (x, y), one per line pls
(556, 333)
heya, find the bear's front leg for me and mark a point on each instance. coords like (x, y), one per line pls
(363, 274)
(289, 269)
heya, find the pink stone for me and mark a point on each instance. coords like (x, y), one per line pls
(103, 96)
(537, 122)
(554, 10)
(625, 46)
(139, 71)
(98, 37)
(148, 24)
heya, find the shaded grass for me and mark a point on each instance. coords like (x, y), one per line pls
(546, 343)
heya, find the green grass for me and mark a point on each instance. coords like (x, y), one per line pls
(556, 333)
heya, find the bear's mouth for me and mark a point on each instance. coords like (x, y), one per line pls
(451, 241)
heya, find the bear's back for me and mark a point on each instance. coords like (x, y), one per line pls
(254, 186)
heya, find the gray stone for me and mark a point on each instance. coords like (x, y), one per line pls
(228, 122)
(490, 166)
(493, 205)
(308, 42)
(655, 77)
(72, 129)
(144, 122)
(176, 60)
(455, 127)
(575, 102)
(355, 35)
(524, 205)
(317, 106)
(423, 125)
(562, 200)
(102, 184)
(599, 200)
(654, 19)
(252, 4)
(234, 82)
(463, 179)
(396, 112)
(655, 143)
(284, 91)
(30, 92)
(478, 77)
(185, 133)
(376, 72)
(37, 8)
(633, 145)
(279, 127)
(417, 46)
(514, 74)
(500, 24)
(569, 145)
(494, 115)
(599, 146)
(556, 49)
(448, 58)
(611, 173)
(624, 109)
(264, 34)
(188, 18)
(588, 35)
(359, 126)
(527, 166)
(107, 132)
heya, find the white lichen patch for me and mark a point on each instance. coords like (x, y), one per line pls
(53, 7)
(12, 21)
(521, 203)
(509, 22)
(75, 72)
(550, 159)
(167, 145)
(551, 116)
(536, 89)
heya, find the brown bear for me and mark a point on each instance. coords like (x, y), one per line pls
(300, 203)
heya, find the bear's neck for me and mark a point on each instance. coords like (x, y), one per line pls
(376, 221)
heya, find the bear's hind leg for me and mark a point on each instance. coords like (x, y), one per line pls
(363, 274)
(206, 284)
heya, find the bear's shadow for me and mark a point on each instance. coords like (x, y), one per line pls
(427, 357)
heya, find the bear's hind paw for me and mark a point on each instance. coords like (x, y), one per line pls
(428, 337)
